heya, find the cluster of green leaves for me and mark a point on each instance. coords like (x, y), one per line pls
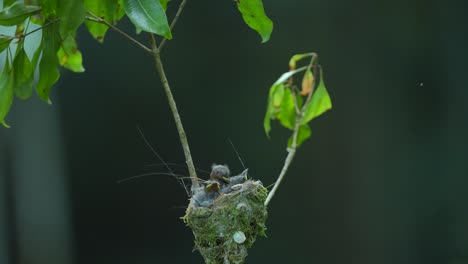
(294, 108)
(59, 21)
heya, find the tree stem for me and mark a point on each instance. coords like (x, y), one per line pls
(172, 104)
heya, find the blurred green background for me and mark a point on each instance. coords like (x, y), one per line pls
(383, 179)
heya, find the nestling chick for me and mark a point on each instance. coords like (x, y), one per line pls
(235, 181)
(220, 173)
(238, 179)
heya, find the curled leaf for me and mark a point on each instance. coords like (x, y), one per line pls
(69, 56)
(294, 59)
(307, 82)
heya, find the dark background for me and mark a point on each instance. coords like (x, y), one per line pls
(382, 180)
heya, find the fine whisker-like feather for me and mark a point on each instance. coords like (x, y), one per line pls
(237, 153)
(175, 165)
(182, 183)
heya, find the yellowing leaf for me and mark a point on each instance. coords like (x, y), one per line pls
(294, 59)
(307, 82)
(69, 56)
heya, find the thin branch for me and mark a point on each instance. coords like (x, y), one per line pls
(287, 161)
(97, 19)
(174, 21)
(172, 104)
(296, 104)
(23, 35)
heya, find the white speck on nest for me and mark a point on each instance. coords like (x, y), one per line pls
(239, 237)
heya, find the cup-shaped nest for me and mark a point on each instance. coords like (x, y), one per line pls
(229, 226)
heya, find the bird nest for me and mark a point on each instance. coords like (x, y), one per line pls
(226, 220)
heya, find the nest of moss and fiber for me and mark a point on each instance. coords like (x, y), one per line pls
(226, 218)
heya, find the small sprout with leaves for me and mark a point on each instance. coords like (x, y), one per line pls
(294, 108)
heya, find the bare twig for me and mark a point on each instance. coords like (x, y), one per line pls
(97, 19)
(174, 21)
(287, 161)
(172, 104)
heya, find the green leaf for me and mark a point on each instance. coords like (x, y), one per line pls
(254, 16)
(71, 14)
(109, 10)
(36, 55)
(277, 95)
(148, 15)
(48, 72)
(6, 92)
(17, 13)
(7, 3)
(49, 8)
(164, 4)
(4, 42)
(23, 71)
(267, 123)
(287, 112)
(303, 134)
(69, 56)
(319, 103)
